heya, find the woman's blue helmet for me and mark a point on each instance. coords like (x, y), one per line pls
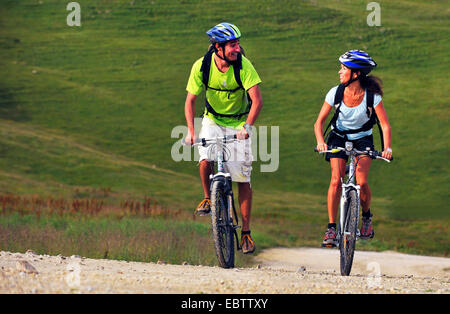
(223, 32)
(358, 60)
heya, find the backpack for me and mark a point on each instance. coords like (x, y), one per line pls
(237, 66)
(371, 114)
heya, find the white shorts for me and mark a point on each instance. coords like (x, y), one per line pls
(239, 154)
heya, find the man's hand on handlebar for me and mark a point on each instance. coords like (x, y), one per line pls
(242, 134)
(190, 139)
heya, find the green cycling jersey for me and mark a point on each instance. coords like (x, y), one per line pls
(224, 102)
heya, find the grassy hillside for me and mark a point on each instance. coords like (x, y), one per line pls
(94, 106)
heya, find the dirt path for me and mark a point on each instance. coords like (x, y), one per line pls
(303, 270)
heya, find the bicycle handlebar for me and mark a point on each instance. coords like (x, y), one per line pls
(371, 153)
(207, 141)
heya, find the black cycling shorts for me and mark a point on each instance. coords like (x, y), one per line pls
(363, 143)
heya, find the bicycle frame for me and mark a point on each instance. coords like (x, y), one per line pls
(346, 187)
(220, 158)
(222, 175)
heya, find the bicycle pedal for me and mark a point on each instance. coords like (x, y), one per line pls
(238, 247)
(202, 214)
(236, 227)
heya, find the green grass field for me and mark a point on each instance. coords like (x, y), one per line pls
(92, 107)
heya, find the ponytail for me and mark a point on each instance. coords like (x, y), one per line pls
(371, 83)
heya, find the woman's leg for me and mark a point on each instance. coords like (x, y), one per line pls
(334, 191)
(334, 195)
(362, 178)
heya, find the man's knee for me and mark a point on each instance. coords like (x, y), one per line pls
(245, 186)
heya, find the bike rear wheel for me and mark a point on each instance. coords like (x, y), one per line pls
(347, 240)
(223, 232)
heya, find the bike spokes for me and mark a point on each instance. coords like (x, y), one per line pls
(223, 231)
(347, 238)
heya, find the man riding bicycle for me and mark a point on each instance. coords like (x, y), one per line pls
(233, 102)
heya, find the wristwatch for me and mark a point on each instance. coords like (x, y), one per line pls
(248, 128)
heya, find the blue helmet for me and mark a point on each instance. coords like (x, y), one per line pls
(223, 32)
(358, 60)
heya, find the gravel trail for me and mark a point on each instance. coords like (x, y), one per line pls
(287, 271)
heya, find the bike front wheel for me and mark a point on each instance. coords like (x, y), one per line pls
(347, 240)
(222, 227)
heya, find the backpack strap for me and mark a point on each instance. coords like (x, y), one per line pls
(237, 67)
(374, 117)
(370, 113)
(337, 104)
(210, 109)
(339, 94)
(366, 126)
(206, 68)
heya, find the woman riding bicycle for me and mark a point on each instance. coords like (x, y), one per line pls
(352, 124)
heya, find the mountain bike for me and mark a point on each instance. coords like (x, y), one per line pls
(349, 207)
(224, 220)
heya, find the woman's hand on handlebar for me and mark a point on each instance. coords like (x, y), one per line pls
(387, 153)
(321, 147)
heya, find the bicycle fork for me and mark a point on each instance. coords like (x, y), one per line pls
(231, 214)
(344, 207)
(230, 206)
